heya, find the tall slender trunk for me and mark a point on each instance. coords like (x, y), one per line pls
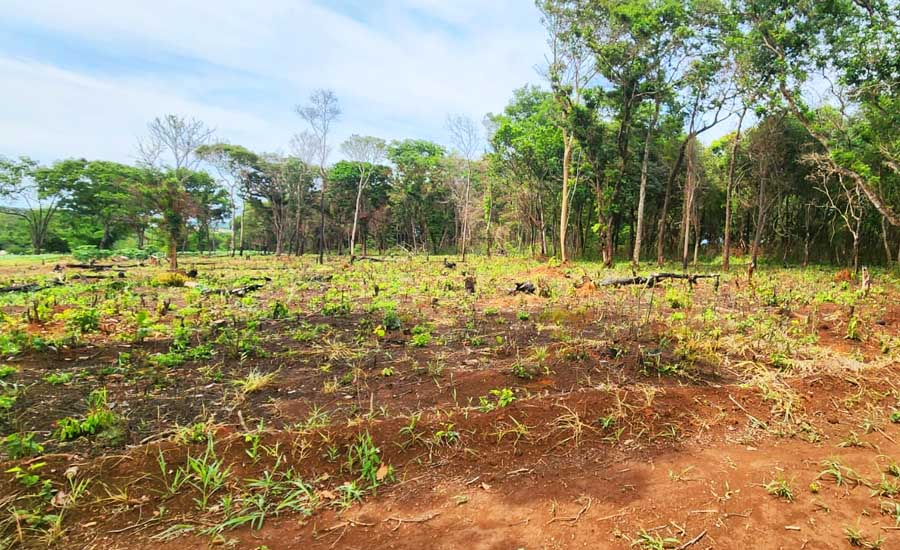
(172, 243)
(884, 239)
(642, 195)
(490, 206)
(689, 186)
(806, 235)
(543, 226)
(564, 203)
(465, 220)
(667, 199)
(243, 210)
(233, 222)
(321, 259)
(760, 216)
(359, 190)
(729, 190)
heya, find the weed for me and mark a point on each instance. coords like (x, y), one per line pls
(780, 488)
(18, 446)
(254, 381)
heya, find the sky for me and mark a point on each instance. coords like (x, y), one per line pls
(83, 79)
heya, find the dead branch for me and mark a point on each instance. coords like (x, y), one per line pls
(651, 280)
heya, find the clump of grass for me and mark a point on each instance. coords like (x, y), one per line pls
(780, 488)
(255, 381)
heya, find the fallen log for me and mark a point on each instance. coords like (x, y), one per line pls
(239, 292)
(366, 259)
(650, 280)
(28, 287)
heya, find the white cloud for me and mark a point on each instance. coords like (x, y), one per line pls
(399, 67)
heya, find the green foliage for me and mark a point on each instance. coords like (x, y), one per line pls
(18, 446)
(87, 253)
(99, 419)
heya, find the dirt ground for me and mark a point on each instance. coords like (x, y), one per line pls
(722, 414)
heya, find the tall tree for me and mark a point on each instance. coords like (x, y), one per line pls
(569, 71)
(320, 113)
(465, 139)
(367, 152)
(170, 154)
(19, 185)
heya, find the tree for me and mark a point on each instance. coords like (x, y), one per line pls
(230, 170)
(568, 71)
(855, 41)
(97, 191)
(321, 112)
(212, 205)
(170, 154)
(465, 139)
(347, 203)
(367, 152)
(527, 147)
(18, 183)
(419, 195)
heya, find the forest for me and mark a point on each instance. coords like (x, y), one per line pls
(653, 303)
(605, 158)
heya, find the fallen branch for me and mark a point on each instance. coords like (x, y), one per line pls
(401, 521)
(577, 516)
(239, 292)
(693, 541)
(651, 280)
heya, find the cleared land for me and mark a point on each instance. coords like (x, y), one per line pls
(273, 403)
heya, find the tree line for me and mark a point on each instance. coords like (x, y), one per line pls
(608, 157)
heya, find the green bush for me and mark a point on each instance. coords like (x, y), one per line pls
(87, 253)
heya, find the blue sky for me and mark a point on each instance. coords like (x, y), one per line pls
(84, 78)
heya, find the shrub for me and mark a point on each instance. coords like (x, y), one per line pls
(87, 253)
(169, 279)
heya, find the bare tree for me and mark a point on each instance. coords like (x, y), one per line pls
(170, 152)
(465, 139)
(230, 173)
(321, 112)
(846, 199)
(367, 152)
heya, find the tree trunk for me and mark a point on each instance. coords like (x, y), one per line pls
(173, 250)
(321, 259)
(687, 207)
(664, 211)
(642, 195)
(359, 190)
(884, 239)
(564, 203)
(243, 210)
(729, 190)
(760, 216)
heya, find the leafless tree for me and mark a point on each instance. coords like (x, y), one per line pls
(465, 138)
(170, 150)
(367, 152)
(320, 113)
(846, 198)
